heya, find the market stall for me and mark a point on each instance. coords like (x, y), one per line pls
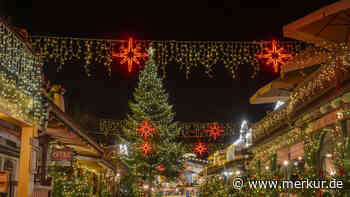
(307, 136)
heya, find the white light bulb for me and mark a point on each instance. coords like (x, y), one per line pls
(333, 172)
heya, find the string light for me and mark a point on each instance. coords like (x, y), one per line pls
(20, 78)
(188, 54)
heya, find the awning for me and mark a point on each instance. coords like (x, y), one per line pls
(280, 88)
(276, 90)
(63, 129)
(331, 23)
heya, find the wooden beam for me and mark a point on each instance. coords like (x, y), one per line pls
(62, 133)
(75, 127)
(26, 178)
(293, 30)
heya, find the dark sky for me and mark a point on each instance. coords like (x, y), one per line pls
(198, 99)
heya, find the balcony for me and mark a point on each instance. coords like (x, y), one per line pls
(20, 78)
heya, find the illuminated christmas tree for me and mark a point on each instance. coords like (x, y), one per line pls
(150, 131)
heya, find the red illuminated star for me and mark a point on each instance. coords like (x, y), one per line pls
(130, 54)
(275, 56)
(200, 148)
(146, 129)
(215, 131)
(146, 148)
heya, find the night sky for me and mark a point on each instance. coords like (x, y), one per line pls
(200, 98)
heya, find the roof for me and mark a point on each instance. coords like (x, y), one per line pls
(328, 23)
(75, 137)
(280, 88)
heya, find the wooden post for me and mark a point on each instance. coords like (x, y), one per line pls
(26, 179)
(44, 142)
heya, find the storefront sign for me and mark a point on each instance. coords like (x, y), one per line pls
(4, 181)
(326, 120)
(62, 154)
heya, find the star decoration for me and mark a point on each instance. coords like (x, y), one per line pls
(275, 56)
(200, 148)
(146, 129)
(214, 131)
(130, 54)
(146, 148)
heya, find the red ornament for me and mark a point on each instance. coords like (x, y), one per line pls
(214, 131)
(275, 56)
(146, 148)
(186, 166)
(200, 148)
(341, 172)
(130, 54)
(160, 167)
(320, 172)
(146, 129)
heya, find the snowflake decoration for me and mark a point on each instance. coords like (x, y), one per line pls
(146, 148)
(275, 56)
(146, 129)
(130, 54)
(200, 148)
(215, 131)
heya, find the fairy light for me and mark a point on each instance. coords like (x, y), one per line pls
(20, 78)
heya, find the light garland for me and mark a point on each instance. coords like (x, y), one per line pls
(327, 76)
(109, 127)
(189, 54)
(20, 70)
